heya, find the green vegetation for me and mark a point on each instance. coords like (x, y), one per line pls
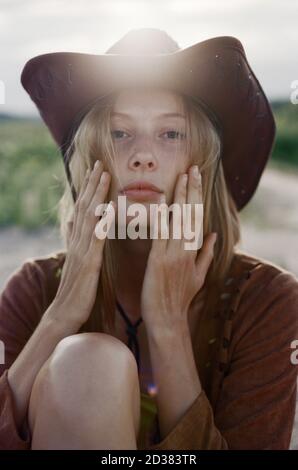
(31, 172)
(31, 168)
(286, 145)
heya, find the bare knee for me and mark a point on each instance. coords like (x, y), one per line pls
(83, 369)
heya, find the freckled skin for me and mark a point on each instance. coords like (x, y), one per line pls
(148, 146)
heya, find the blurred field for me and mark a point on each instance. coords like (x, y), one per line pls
(285, 149)
(30, 174)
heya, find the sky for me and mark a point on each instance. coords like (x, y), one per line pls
(268, 30)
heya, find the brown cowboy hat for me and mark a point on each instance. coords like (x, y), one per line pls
(64, 85)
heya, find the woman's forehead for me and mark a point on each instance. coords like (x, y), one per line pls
(157, 102)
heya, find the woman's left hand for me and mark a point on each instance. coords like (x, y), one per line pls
(173, 274)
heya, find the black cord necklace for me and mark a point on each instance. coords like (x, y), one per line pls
(131, 330)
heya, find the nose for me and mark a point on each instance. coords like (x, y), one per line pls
(143, 156)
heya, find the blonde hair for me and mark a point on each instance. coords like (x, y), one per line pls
(92, 140)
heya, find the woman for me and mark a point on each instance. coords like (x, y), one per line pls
(209, 332)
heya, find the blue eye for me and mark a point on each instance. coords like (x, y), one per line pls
(117, 134)
(175, 135)
(172, 134)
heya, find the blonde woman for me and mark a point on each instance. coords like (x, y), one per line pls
(138, 343)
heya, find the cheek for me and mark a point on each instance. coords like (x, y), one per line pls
(117, 177)
(176, 160)
(173, 153)
(172, 172)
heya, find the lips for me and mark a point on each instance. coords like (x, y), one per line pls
(141, 190)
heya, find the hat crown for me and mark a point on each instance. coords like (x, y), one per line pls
(145, 41)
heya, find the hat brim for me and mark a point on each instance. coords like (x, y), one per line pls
(215, 71)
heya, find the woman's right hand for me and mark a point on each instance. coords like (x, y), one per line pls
(79, 278)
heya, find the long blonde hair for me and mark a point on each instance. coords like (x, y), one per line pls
(92, 140)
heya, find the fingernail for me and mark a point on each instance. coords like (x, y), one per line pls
(214, 238)
(96, 164)
(184, 179)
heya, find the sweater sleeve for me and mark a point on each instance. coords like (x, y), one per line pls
(255, 408)
(21, 305)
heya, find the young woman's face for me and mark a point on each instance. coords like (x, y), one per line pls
(148, 128)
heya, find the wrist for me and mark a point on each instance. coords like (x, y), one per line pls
(57, 319)
(163, 335)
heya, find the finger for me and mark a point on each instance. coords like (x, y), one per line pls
(160, 227)
(176, 217)
(94, 178)
(88, 194)
(101, 192)
(85, 182)
(205, 256)
(193, 216)
(76, 207)
(100, 234)
(91, 215)
(195, 194)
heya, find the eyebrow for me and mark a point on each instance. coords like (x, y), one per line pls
(163, 115)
